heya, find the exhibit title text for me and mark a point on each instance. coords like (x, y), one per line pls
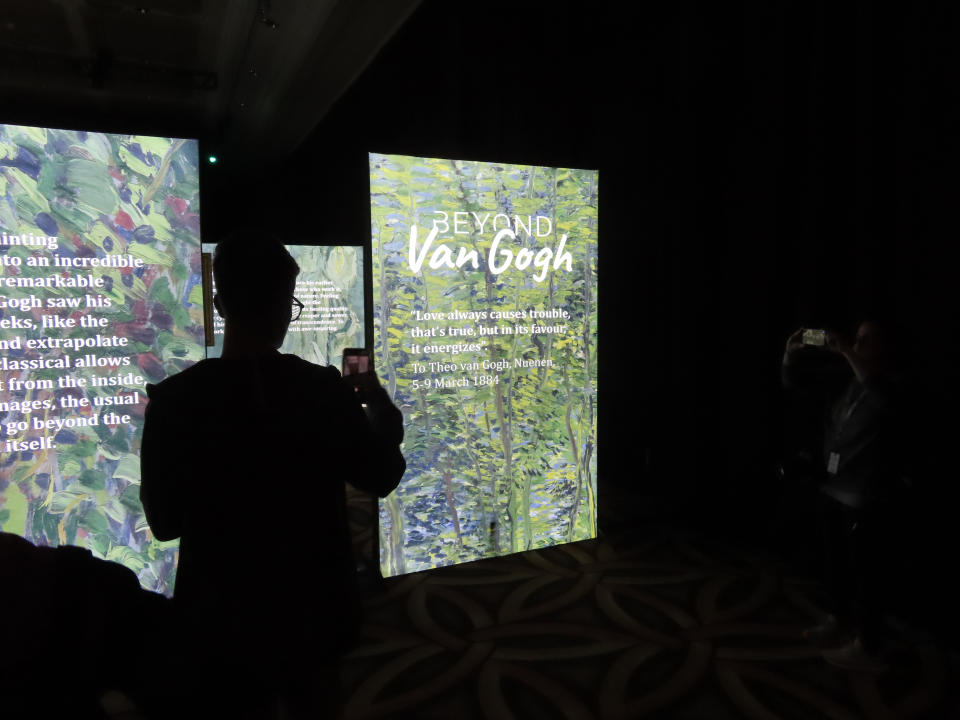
(499, 257)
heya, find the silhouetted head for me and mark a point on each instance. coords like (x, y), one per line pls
(255, 277)
(875, 343)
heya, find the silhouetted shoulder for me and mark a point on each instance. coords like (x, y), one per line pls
(310, 376)
(198, 374)
(298, 364)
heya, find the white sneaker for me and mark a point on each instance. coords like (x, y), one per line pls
(852, 656)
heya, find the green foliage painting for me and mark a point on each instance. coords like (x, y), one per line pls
(120, 268)
(485, 298)
(330, 285)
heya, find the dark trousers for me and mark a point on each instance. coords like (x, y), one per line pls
(794, 523)
(853, 564)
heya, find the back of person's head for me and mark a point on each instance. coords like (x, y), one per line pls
(253, 273)
(879, 339)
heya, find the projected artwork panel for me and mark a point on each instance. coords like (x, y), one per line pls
(330, 286)
(485, 295)
(99, 294)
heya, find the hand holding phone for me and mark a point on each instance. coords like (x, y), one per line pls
(838, 343)
(357, 369)
(356, 361)
(795, 341)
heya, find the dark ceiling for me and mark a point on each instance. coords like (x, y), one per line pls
(250, 74)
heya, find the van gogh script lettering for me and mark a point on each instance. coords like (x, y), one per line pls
(498, 259)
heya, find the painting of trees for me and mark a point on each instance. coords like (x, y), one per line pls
(502, 450)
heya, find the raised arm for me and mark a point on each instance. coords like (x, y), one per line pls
(839, 344)
(877, 387)
(373, 436)
(789, 377)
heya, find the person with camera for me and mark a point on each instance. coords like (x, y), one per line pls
(244, 458)
(857, 470)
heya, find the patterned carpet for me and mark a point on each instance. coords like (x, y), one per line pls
(640, 625)
(645, 621)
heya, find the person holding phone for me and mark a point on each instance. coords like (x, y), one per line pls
(244, 458)
(858, 472)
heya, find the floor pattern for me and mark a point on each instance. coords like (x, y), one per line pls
(658, 625)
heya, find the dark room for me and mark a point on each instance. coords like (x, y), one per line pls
(301, 383)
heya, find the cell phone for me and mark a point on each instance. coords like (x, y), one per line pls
(815, 337)
(356, 361)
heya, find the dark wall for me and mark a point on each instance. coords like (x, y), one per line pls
(763, 166)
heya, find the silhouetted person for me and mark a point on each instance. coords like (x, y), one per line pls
(860, 470)
(244, 458)
(61, 602)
